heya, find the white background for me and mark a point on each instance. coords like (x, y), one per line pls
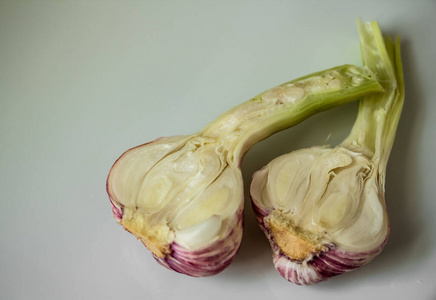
(83, 81)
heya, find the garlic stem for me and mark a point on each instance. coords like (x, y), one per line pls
(288, 104)
(378, 117)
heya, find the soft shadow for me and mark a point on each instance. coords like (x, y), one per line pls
(409, 239)
(403, 177)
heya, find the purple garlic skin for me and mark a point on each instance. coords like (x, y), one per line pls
(322, 266)
(208, 261)
(319, 266)
(203, 262)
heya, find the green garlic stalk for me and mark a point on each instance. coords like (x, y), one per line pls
(323, 209)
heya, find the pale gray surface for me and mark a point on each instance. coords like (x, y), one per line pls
(83, 81)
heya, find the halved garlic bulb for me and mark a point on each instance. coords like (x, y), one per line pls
(323, 209)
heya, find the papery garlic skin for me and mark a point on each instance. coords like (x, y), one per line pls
(323, 265)
(208, 260)
(323, 209)
(182, 196)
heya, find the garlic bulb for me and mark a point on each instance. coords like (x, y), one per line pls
(182, 196)
(323, 209)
